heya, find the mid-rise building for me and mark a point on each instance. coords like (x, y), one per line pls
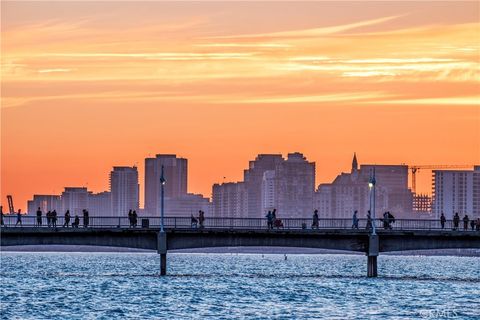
(124, 190)
(187, 205)
(100, 204)
(229, 200)
(456, 191)
(74, 199)
(45, 203)
(175, 173)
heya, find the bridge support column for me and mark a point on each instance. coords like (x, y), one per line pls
(372, 255)
(162, 250)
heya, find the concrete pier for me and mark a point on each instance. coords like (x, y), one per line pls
(372, 255)
(162, 250)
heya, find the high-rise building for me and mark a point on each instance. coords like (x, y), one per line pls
(175, 171)
(74, 199)
(45, 203)
(100, 204)
(294, 187)
(124, 190)
(253, 178)
(456, 191)
(268, 191)
(229, 200)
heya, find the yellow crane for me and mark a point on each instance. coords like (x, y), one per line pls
(416, 168)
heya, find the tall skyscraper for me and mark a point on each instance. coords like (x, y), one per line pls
(124, 190)
(253, 178)
(456, 191)
(175, 173)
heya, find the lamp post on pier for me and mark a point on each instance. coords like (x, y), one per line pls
(371, 186)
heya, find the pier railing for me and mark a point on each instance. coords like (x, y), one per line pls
(228, 223)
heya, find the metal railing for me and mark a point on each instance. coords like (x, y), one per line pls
(228, 223)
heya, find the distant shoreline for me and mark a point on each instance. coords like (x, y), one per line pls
(246, 250)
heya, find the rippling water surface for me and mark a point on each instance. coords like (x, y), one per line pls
(233, 286)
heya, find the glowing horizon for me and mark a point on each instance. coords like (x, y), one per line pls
(86, 86)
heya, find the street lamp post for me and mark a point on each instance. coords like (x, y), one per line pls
(162, 212)
(371, 185)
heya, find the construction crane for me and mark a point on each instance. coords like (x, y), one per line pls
(416, 168)
(11, 208)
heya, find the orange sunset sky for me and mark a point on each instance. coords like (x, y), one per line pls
(89, 85)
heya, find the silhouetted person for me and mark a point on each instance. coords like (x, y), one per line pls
(269, 220)
(39, 217)
(54, 218)
(49, 218)
(130, 219)
(19, 217)
(193, 221)
(76, 222)
(134, 218)
(472, 224)
(465, 222)
(274, 215)
(85, 218)
(67, 218)
(1, 214)
(201, 218)
(456, 221)
(477, 224)
(443, 220)
(355, 220)
(369, 221)
(315, 219)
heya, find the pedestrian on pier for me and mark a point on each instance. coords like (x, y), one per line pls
(472, 224)
(465, 222)
(193, 221)
(456, 221)
(130, 218)
(54, 218)
(442, 220)
(269, 220)
(76, 222)
(39, 217)
(134, 218)
(19, 217)
(355, 220)
(315, 219)
(67, 218)
(477, 224)
(85, 218)
(201, 218)
(1, 213)
(49, 218)
(369, 225)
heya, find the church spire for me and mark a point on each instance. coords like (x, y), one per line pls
(354, 163)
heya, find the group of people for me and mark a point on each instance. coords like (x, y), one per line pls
(474, 223)
(132, 218)
(273, 221)
(52, 218)
(198, 222)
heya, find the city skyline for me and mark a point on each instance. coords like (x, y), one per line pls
(220, 82)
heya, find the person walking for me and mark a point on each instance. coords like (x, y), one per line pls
(49, 218)
(67, 218)
(355, 220)
(19, 218)
(85, 218)
(369, 225)
(472, 224)
(443, 220)
(130, 218)
(76, 222)
(39, 217)
(456, 221)
(1, 214)
(201, 218)
(315, 219)
(465, 222)
(269, 220)
(134, 218)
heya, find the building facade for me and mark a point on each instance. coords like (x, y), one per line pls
(45, 203)
(229, 200)
(124, 190)
(74, 199)
(456, 191)
(175, 173)
(100, 204)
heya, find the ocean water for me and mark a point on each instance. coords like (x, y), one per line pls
(236, 286)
